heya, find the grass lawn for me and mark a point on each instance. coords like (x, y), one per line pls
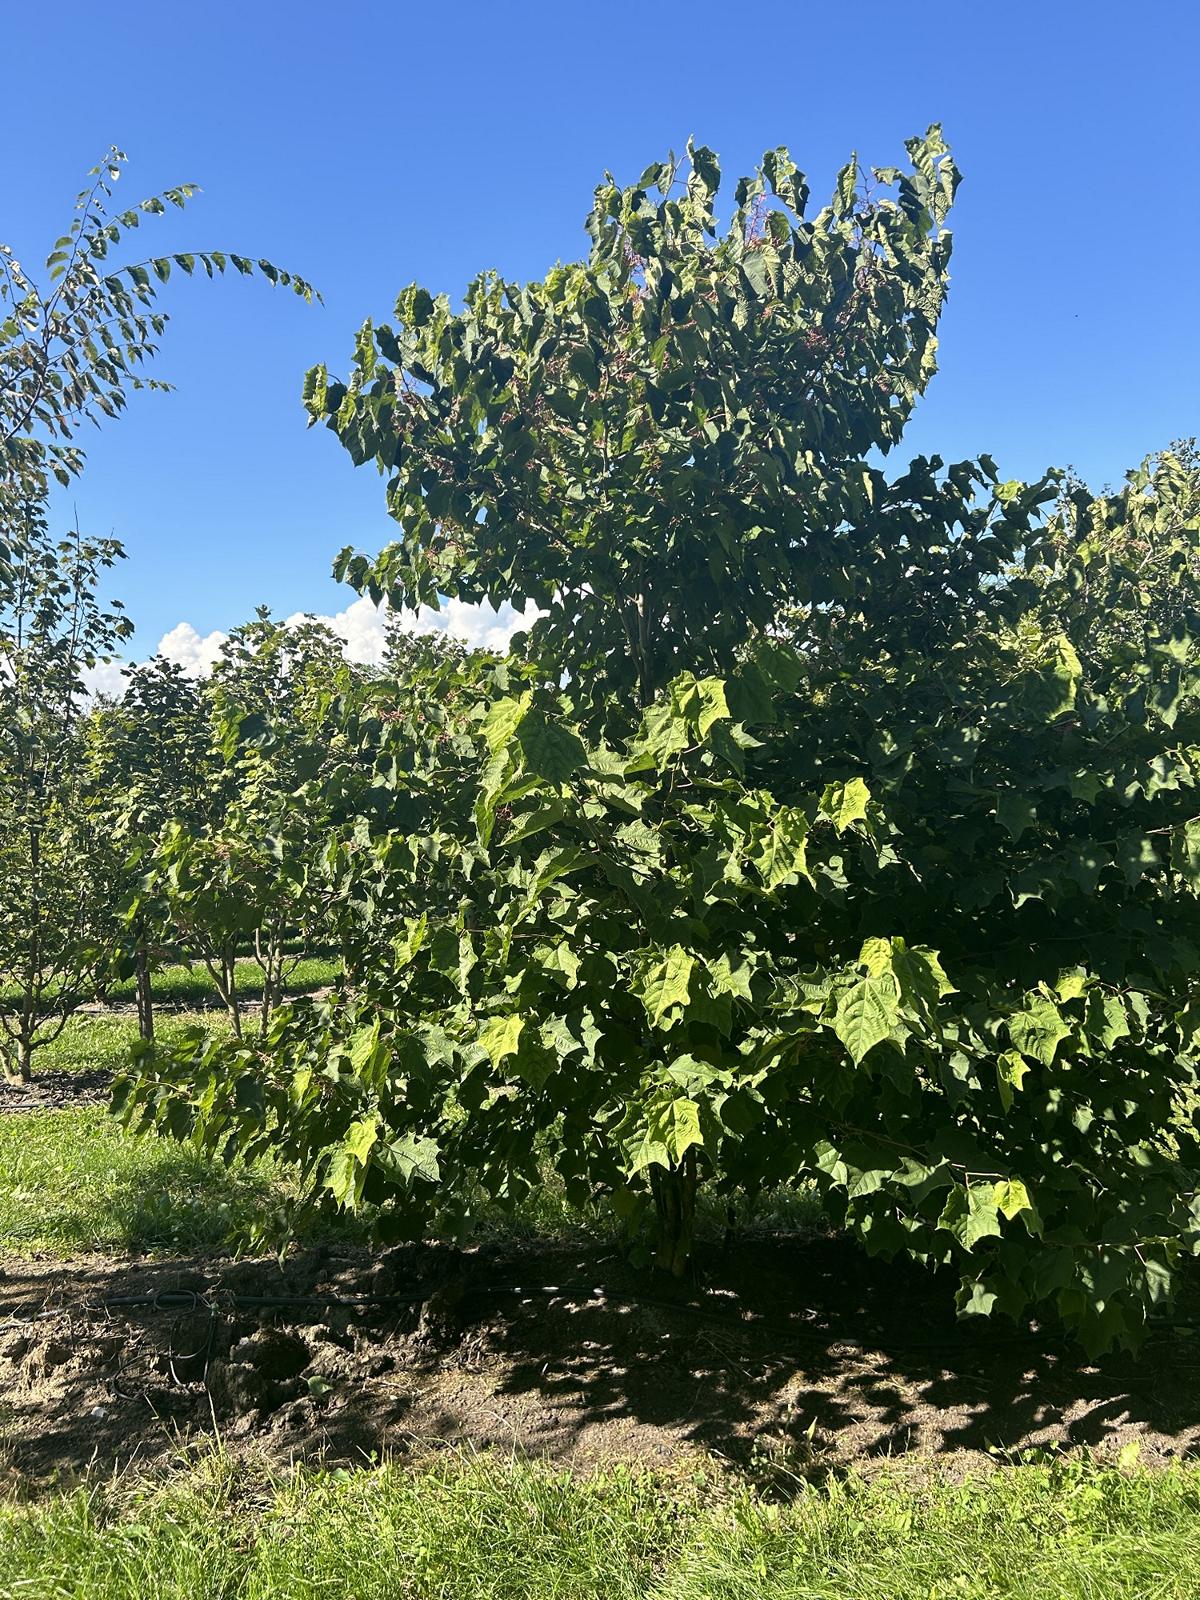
(180, 984)
(184, 982)
(92, 1042)
(75, 1180)
(492, 1529)
(72, 1181)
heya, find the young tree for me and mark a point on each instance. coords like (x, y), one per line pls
(150, 763)
(58, 911)
(70, 353)
(230, 875)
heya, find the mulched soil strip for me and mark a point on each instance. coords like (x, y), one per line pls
(56, 1091)
(798, 1344)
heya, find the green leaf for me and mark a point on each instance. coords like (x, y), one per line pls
(1015, 813)
(866, 1015)
(550, 750)
(361, 1137)
(670, 1131)
(665, 988)
(846, 803)
(501, 1037)
(971, 1214)
(1011, 1069)
(1012, 1200)
(779, 853)
(502, 721)
(415, 1157)
(1039, 1030)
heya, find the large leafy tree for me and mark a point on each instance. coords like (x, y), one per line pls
(830, 827)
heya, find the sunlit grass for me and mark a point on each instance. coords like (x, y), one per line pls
(186, 982)
(73, 1181)
(491, 1529)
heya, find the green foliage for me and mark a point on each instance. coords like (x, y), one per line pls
(216, 863)
(71, 352)
(651, 443)
(54, 859)
(832, 828)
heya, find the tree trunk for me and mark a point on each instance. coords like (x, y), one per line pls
(674, 1191)
(145, 995)
(229, 971)
(19, 1069)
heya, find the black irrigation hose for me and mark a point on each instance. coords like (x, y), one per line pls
(187, 1299)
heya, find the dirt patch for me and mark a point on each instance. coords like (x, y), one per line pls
(56, 1091)
(804, 1346)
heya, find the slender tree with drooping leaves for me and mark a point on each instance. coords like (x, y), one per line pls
(71, 352)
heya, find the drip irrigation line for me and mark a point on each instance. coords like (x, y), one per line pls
(194, 1300)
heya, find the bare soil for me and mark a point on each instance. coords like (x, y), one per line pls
(800, 1346)
(56, 1091)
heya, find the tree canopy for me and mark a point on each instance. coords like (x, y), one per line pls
(830, 826)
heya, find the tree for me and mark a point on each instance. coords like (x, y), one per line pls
(57, 911)
(652, 444)
(230, 874)
(874, 868)
(70, 353)
(150, 763)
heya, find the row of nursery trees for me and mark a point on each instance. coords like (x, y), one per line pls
(156, 827)
(830, 825)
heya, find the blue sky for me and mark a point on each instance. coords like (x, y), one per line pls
(370, 144)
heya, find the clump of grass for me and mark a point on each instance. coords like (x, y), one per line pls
(1063, 1529)
(491, 1529)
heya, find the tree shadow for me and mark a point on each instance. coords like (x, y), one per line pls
(800, 1350)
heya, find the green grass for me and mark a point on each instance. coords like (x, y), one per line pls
(180, 984)
(75, 1180)
(93, 1042)
(187, 982)
(486, 1529)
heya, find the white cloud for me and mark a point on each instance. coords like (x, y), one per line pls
(362, 625)
(106, 678)
(195, 653)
